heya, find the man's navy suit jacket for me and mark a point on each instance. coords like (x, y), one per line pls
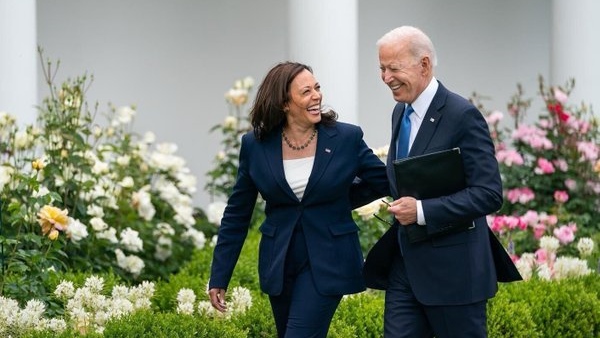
(456, 268)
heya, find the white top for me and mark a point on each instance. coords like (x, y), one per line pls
(297, 172)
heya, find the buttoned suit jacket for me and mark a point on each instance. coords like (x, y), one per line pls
(456, 268)
(324, 213)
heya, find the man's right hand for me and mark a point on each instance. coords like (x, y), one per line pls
(217, 299)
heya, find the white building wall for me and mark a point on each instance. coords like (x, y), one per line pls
(18, 60)
(175, 59)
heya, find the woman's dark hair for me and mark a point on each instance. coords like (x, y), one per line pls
(272, 95)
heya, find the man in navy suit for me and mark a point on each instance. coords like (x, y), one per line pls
(305, 165)
(438, 286)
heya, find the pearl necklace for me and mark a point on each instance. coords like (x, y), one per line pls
(289, 144)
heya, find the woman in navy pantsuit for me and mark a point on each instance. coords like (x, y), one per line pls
(305, 165)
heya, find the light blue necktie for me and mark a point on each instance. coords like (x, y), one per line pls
(404, 134)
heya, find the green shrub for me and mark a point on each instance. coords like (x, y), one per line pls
(565, 308)
(258, 320)
(363, 312)
(169, 325)
(508, 319)
(196, 273)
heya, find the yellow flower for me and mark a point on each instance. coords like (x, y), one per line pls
(38, 164)
(53, 235)
(52, 219)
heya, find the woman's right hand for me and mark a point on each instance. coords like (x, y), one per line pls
(217, 299)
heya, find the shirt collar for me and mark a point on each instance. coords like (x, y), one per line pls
(421, 104)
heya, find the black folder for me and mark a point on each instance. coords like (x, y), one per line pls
(431, 175)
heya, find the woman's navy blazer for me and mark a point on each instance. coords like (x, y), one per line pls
(324, 213)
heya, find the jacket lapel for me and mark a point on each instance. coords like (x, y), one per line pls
(325, 150)
(430, 122)
(274, 159)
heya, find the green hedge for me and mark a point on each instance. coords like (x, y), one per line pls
(566, 308)
(535, 308)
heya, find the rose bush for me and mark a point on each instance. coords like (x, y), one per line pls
(550, 171)
(79, 194)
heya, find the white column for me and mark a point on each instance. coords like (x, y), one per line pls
(575, 49)
(324, 35)
(18, 59)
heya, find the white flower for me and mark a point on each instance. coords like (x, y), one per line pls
(100, 168)
(5, 175)
(166, 148)
(585, 246)
(544, 272)
(65, 289)
(127, 182)
(42, 191)
(186, 182)
(167, 162)
(237, 96)
(125, 114)
(23, 140)
(185, 301)
(525, 269)
(119, 291)
(123, 160)
(56, 325)
(131, 264)
(109, 234)
(76, 230)
(8, 309)
(230, 122)
(215, 212)
(142, 201)
(549, 243)
(149, 137)
(197, 237)
(186, 295)
(164, 228)
(205, 308)
(97, 131)
(565, 267)
(382, 152)
(526, 265)
(366, 211)
(6, 120)
(121, 306)
(30, 316)
(163, 248)
(94, 284)
(184, 214)
(241, 299)
(98, 224)
(131, 240)
(247, 82)
(142, 291)
(95, 211)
